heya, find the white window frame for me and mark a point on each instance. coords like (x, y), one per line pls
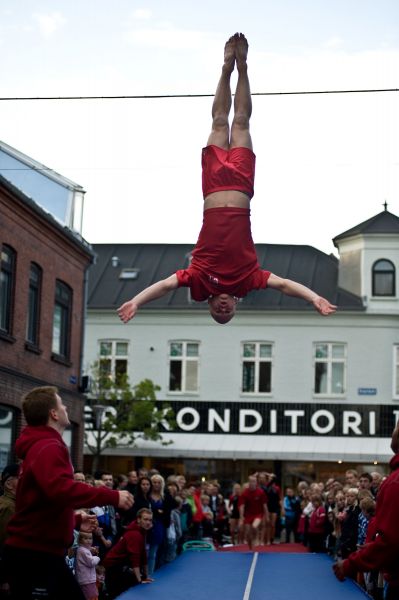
(113, 357)
(257, 359)
(329, 361)
(395, 387)
(184, 360)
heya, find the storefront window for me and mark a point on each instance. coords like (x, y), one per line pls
(7, 428)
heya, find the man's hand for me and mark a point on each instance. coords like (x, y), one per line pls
(89, 523)
(126, 500)
(323, 306)
(147, 580)
(338, 570)
(127, 311)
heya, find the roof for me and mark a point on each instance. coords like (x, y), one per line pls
(36, 166)
(73, 236)
(304, 264)
(384, 222)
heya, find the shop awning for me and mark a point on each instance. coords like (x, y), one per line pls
(311, 448)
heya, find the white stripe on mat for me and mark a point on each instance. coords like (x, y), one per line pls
(250, 577)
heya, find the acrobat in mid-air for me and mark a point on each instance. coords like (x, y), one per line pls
(224, 265)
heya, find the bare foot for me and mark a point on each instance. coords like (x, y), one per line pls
(230, 53)
(241, 49)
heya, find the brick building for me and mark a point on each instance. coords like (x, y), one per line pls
(42, 305)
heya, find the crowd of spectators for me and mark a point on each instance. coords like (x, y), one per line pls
(127, 546)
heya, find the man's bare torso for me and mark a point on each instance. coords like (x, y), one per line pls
(226, 198)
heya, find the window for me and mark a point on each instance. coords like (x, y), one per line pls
(113, 359)
(32, 325)
(183, 363)
(396, 371)
(257, 368)
(8, 425)
(62, 320)
(383, 278)
(7, 283)
(330, 362)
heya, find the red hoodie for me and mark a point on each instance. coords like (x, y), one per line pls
(129, 549)
(47, 494)
(382, 554)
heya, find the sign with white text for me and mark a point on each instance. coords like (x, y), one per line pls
(349, 420)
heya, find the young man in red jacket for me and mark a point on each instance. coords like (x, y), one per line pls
(126, 563)
(42, 527)
(382, 554)
(224, 264)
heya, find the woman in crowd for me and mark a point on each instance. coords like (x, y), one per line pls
(157, 534)
(141, 500)
(234, 515)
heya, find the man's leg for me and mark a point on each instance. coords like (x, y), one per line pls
(240, 136)
(222, 102)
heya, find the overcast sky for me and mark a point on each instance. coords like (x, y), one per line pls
(324, 162)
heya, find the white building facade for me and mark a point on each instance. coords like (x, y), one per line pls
(279, 388)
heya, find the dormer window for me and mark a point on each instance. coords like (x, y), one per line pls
(383, 273)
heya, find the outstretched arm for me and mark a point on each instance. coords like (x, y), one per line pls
(128, 310)
(292, 288)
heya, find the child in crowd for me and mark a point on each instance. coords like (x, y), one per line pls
(291, 514)
(207, 523)
(367, 508)
(173, 532)
(317, 526)
(100, 582)
(349, 523)
(85, 566)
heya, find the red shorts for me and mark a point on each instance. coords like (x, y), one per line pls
(232, 169)
(251, 518)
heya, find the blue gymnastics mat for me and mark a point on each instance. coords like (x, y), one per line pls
(247, 576)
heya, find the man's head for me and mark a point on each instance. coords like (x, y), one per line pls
(377, 479)
(172, 488)
(132, 477)
(144, 518)
(365, 481)
(252, 482)
(9, 478)
(43, 406)
(181, 481)
(351, 477)
(79, 476)
(222, 307)
(108, 480)
(263, 478)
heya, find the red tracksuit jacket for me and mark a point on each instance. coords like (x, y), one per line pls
(383, 553)
(47, 494)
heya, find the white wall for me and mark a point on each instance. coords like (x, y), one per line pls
(369, 339)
